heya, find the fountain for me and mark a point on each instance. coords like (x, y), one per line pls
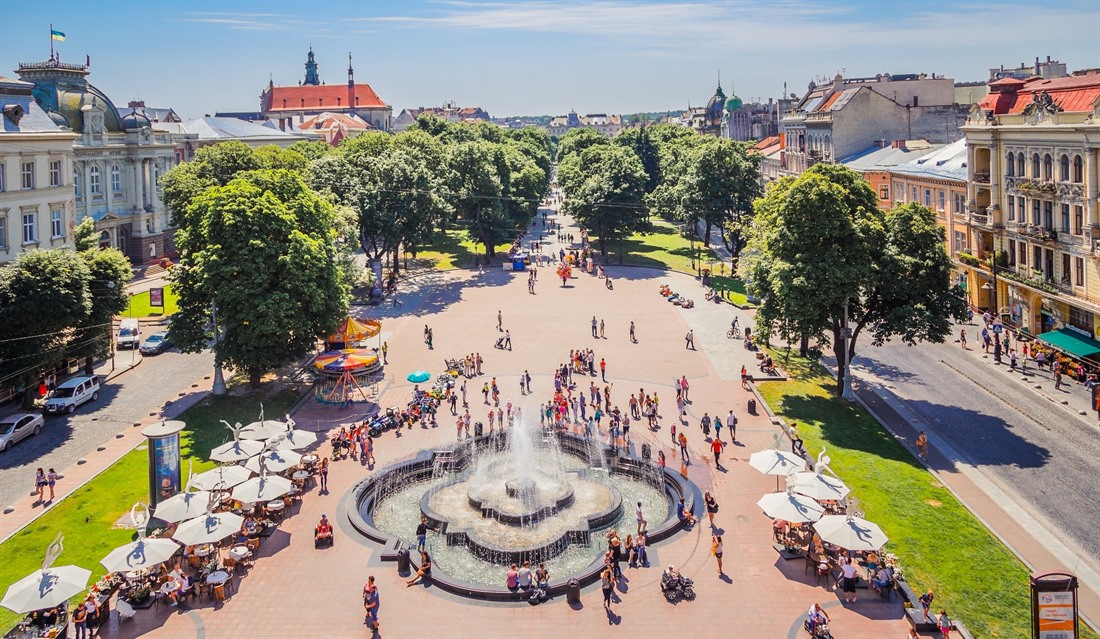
(525, 494)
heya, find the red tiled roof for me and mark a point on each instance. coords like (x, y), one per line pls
(1074, 94)
(329, 120)
(828, 103)
(325, 97)
(1008, 82)
(766, 142)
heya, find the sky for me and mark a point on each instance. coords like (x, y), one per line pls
(537, 57)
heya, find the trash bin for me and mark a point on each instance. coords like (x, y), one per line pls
(403, 565)
(752, 406)
(573, 592)
(647, 453)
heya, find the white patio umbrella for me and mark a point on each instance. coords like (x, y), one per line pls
(850, 532)
(45, 588)
(264, 429)
(295, 439)
(818, 485)
(776, 462)
(261, 489)
(209, 528)
(186, 505)
(790, 507)
(139, 554)
(221, 478)
(276, 461)
(236, 451)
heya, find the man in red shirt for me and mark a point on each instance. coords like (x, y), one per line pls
(716, 445)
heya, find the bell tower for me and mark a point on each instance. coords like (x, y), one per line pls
(311, 70)
(351, 85)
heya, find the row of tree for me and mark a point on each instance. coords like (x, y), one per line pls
(57, 305)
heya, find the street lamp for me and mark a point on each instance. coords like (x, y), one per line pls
(846, 380)
(218, 387)
(133, 346)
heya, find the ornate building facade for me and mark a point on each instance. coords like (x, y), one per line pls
(117, 159)
(289, 106)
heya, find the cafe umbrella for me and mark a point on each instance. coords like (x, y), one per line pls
(817, 484)
(210, 528)
(772, 461)
(143, 553)
(236, 451)
(790, 507)
(262, 489)
(276, 461)
(186, 505)
(47, 587)
(221, 478)
(293, 438)
(419, 377)
(850, 532)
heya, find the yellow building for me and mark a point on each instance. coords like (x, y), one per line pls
(1033, 154)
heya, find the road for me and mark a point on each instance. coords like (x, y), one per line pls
(1037, 451)
(123, 401)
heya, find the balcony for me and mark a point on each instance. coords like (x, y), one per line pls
(1040, 233)
(981, 177)
(979, 219)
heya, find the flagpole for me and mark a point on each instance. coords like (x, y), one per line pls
(51, 41)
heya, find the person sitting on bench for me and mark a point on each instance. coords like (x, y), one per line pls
(323, 533)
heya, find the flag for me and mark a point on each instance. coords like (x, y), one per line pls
(57, 35)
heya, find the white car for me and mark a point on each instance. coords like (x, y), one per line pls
(72, 393)
(16, 428)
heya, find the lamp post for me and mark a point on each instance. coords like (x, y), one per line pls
(133, 346)
(218, 387)
(846, 380)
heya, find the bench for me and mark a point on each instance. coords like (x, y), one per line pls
(915, 617)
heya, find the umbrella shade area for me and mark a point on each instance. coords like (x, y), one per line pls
(350, 359)
(275, 461)
(260, 489)
(236, 451)
(222, 477)
(45, 588)
(354, 330)
(419, 377)
(790, 507)
(850, 533)
(820, 486)
(776, 462)
(186, 505)
(208, 529)
(142, 553)
(296, 439)
(266, 429)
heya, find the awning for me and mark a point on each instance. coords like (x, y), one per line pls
(1072, 342)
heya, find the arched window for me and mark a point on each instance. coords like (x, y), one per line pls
(76, 181)
(95, 186)
(1048, 167)
(1020, 166)
(116, 178)
(1035, 165)
(1063, 168)
(1078, 169)
(1010, 168)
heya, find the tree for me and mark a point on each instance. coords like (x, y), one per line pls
(312, 149)
(43, 295)
(605, 192)
(85, 236)
(477, 193)
(638, 140)
(109, 271)
(823, 259)
(720, 186)
(261, 250)
(214, 165)
(577, 140)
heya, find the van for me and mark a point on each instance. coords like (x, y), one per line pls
(72, 393)
(129, 334)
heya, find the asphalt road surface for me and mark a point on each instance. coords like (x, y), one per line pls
(123, 401)
(1041, 453)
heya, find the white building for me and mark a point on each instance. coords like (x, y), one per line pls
(36, 164)
(608, 124)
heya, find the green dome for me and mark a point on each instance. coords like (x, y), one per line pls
(734, 103)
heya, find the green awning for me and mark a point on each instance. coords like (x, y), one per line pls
(1072, 342)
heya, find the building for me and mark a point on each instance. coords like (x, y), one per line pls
(841, 118)
(335, 127)
(1046, 70)
(754, 120)
(769, 149)
(449, 112)
(608, 124)
(117, 159)
(154, 114)
(36, 167)
(874, 163)
(192, 135)
(1033, 158)
(289, 106)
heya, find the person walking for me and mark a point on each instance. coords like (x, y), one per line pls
(731, 425)
(926, 603)
(848, 580)
(80, 619)
(368, 451)
(607, 585)
(602, 334)
(922, 445)
(684, 388)
(716, 446)
(962, 338)
(323, 474)
(945, 625)
(643, 525)
(744, 377)
(500, 322)
(633, 338)
(51, 480)
(385, 350)
(683, 442)
(595, 325)
(603, 369)
(689, 340)
(507, 340)
(430, 338)
(463, 389)
(716, 550)
(40, 484)
(370, 604)
(485, 392)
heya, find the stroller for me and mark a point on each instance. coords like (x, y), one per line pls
(676, 586)
(819, 632)
(499, 343)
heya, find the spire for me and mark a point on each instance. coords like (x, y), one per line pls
(311, 69)
(351, 72)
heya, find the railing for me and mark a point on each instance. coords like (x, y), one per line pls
(1037, 232)
(981, 178)
(980, 219)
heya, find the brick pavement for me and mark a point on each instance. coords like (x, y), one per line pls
(297, 591)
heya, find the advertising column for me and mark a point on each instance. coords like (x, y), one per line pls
(163, 439)
(1054, 606)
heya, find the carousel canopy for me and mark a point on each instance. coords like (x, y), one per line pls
(353, 330)
(346, 360)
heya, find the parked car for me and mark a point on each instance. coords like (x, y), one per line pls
(72, 393)
(155, 344)
(16, 428)
(129, 334)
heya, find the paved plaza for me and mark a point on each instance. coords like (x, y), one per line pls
(294, 590)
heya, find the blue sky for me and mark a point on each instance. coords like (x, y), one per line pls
(535, 57)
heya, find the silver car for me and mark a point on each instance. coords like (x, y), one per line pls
(15, 428)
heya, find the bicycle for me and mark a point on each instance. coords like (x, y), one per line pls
(734, 333)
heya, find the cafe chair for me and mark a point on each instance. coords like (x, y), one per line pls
(125, 610)
(219, 592)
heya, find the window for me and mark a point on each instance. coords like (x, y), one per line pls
(1048, 167)
(1079, 271)
(1037, 258)
(1080, 318)
(1063, 168)
(95, 186)
(1011, 209)
(1065, 269)
(1065, 218)
(55, 173)
(928, 198)
(28, 175)
(960, 241)
(1036, 213)
(959, 202)
(30, 228)
(914, 198)
(1023, 253)
(1035, 164)
(1078, 170)
(1048, 215)
(1021, 204)
(2, 178)
(942, 201)
(884, 193)
(3, 231)
(1010, 168)
(1021, 168)
(1011, 251)
(116, 179)
(1078, 219)
(56, 227)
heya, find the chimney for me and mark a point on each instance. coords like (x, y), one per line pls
(1037, 65)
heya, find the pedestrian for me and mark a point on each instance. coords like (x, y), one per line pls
(422, 534)
(689, 340)
(607, 585)
(385, 349)
(684, 387)
(731, 426)
(603, 369)
(744, 377)
(478, 361)
(463, 389)
(368, 450)
(716, 446)
(716, 550)
(962, 338)
(922, 445)
(40, 484)
(926, 604)
(507, 340)
(1012, 360)
(51, 479)
(323, 473)
(683, 441)
(485, 393)
(500, 321)
(643, 525)
(370, 604)
(712, 507)
(595, 325)
(633, 338)
(945, 624)
(848, 579)
(969, 316)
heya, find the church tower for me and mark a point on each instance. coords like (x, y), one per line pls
(351, 85)
(311, 70)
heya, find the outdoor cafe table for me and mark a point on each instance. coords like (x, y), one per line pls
(309, 460)
(300, 477)
(169, 587)
(138, 575)
(239, 553)
(275, 506)
(217, 578)
(204, 550)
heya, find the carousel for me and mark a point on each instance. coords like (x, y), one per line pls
(346, 369)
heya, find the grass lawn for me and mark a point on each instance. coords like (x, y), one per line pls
(453, 249)
(87, 517)
(139, 305)
(664, 247)
(939, 543)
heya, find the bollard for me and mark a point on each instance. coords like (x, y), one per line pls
(573, 592)
(752, 405)
(403, 565)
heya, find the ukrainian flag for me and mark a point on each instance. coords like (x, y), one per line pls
(57, 35)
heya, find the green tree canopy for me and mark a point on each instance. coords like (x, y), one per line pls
(577, 140)
(605, 192)
(109, 271)
(638, 140)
